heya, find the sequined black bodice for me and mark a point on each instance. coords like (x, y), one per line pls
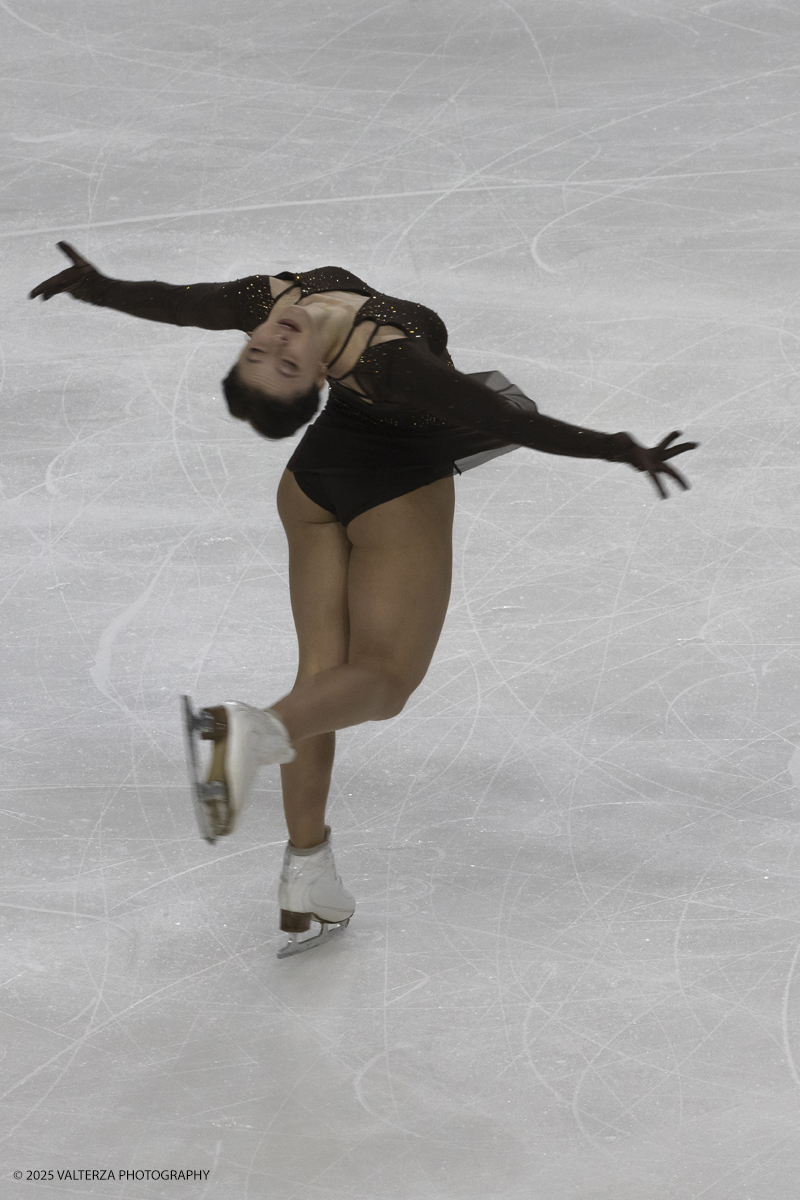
(414, 388)
(254, 300)
(416, 321)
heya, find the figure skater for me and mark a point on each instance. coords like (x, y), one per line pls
(366, 501)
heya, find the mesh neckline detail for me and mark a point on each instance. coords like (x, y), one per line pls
(416, 320)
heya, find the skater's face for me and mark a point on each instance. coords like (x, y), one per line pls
(289, 353)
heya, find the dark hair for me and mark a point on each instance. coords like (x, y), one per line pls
(271, 417)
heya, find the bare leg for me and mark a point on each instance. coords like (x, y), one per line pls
(319, 556)
(369, 605)
(305, 783)
(337, 698)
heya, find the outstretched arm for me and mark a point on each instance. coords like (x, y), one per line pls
(410, 372)
(206, 305)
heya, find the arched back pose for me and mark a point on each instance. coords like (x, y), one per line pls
(367, 504)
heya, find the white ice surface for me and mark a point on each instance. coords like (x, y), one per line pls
(573, 969)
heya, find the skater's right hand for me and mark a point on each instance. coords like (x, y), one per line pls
(65, 280)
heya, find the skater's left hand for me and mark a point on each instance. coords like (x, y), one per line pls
(653, 461)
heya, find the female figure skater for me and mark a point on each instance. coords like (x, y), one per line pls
(366, 501)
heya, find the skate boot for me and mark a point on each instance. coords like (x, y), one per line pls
(311, 889)
(244, 739)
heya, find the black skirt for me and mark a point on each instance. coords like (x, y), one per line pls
(345, 440)
(348, 462)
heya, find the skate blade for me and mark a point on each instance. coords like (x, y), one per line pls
(296, 946)
(209, 799)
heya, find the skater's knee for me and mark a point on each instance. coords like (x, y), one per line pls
(388, 687)
(394, 694)
(394, 707)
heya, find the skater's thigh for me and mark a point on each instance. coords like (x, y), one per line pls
(319, 554)
(399, 581)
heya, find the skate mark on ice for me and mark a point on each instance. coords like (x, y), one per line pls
(100, 672)
(203, 866)
(794, 767)
(787, 1040)
(77, 1044)
(510, 7)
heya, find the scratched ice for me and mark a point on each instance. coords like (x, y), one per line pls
(573, 969)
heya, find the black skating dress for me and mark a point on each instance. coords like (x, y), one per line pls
(414, 418)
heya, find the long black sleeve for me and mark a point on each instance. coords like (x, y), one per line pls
(205, 305)
(407, 371)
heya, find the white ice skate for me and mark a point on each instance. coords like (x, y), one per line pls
(244, 739)
(311, 890)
